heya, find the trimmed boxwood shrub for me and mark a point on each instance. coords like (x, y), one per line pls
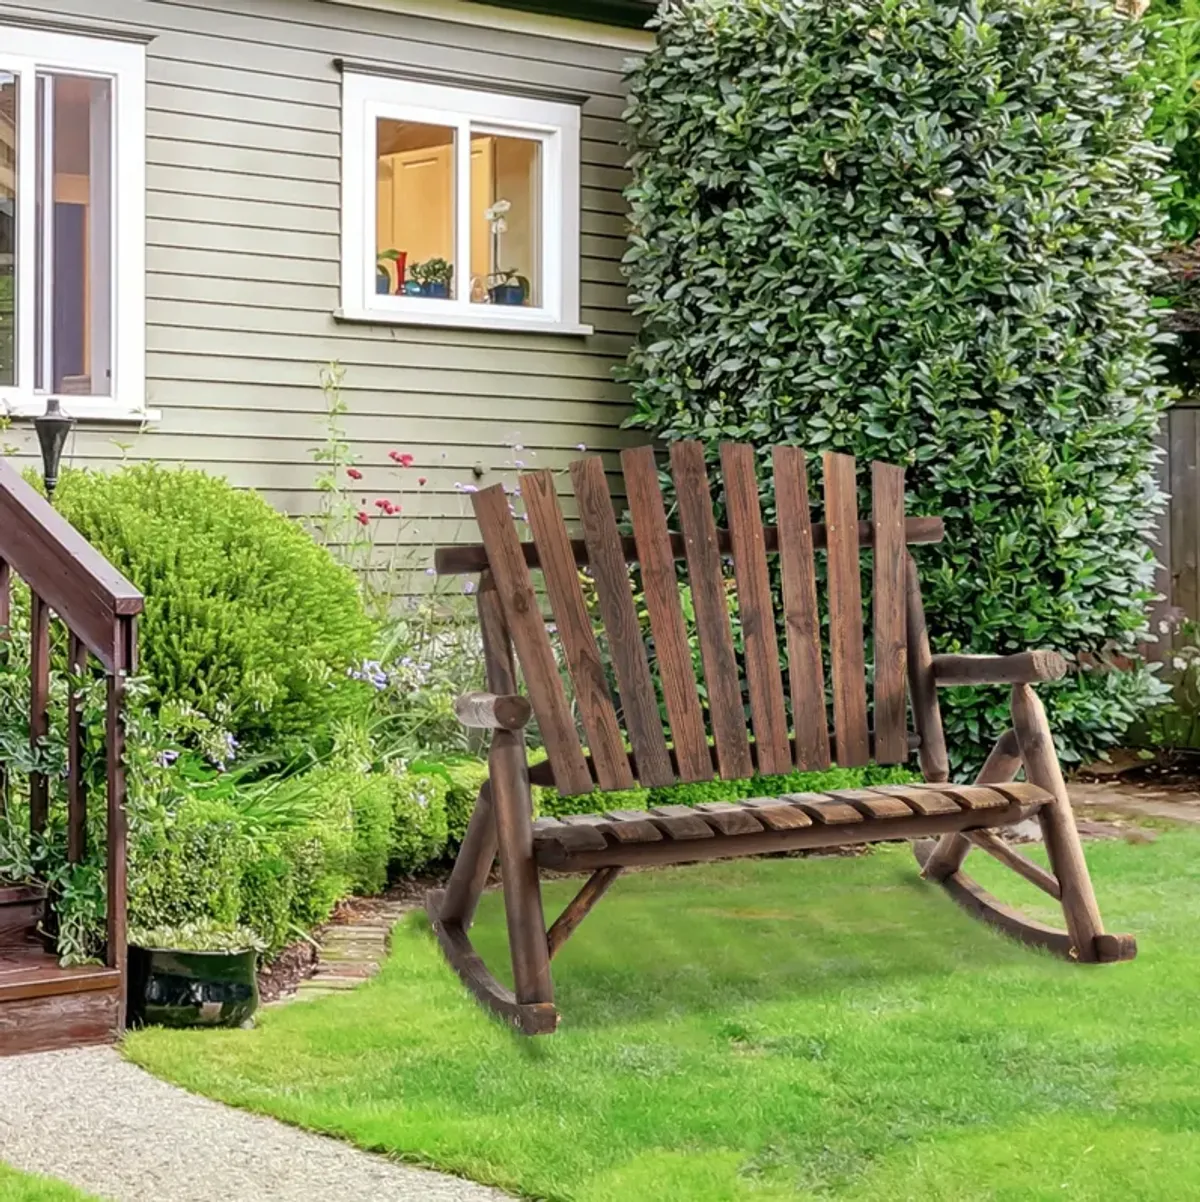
(920, 231)
(419, 819)
(247, 620)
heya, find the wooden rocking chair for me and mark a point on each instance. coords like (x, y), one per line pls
(955, 818)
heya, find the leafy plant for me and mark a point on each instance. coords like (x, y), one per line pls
(197, 936)
(431, 271)
(922, 231)
(247, 621)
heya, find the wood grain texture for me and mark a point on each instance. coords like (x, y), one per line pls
(802, 621)
(888, 609)
(922, 687)
(660, 586)
(580, 649)
(487, 711)
(626, 645)
(1035, 874)
(528, 633)
(721, 674)
(577, 909)
(1023, 667)
(846, 612)
(756, 610)
(47, 1024)
(76, 785)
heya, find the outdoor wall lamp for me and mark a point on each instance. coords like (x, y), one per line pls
(52, 429)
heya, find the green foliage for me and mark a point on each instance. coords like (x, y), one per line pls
(1173, 68)
(1176, 725)
(248, 622)
(198, 936)
(419, 819)
(464, 778)
(921, 231)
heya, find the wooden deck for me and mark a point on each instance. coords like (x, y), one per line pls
(44, 1006)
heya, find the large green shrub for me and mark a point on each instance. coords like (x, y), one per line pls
(247, 620)
(919, 231)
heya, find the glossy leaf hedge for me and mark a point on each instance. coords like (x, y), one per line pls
(921, 231)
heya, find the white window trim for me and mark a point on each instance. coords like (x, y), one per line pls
(27, 51)
(368, 97)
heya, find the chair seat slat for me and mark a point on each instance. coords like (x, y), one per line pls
(580, 648)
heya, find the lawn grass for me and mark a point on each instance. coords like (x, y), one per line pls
(26, 1187)
(770, 1029)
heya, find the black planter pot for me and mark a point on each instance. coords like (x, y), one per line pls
(191, 989)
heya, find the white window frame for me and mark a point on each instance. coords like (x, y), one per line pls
(368, 97)
(27, 52)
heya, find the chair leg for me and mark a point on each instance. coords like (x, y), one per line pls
(468, 878)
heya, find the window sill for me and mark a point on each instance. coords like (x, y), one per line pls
(84, 409)
(462, 321)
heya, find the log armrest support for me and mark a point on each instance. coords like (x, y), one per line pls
(490, 711)
(1025, 667)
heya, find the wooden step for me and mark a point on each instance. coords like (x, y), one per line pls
(44, 1006)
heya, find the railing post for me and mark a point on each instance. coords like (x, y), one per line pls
(39, 718)
(76, 787)
(116, 835)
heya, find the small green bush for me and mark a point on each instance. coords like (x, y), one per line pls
(419, 819)
(923, 231)
(267, 898)
(247, 620)
(464, 778)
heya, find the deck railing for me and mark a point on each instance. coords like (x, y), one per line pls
(69, 580)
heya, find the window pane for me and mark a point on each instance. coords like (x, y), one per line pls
(8, 229)
(414, 215)
(74, 261)
(506, 220)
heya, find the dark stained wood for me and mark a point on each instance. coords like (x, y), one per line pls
(873, 805)
(822, 810)
(116, 837)
(575, 633)
(632, 826)
(681, 822)
(846, 612)
(578, 908)
(1113, 949)
(58, 564)
(487, 711)
(776, 815)
(528, 632)
(5, 598)
(58, 1021)
(756, 610)
(512, 806)
(1058, 821)
(922, 687)
(36, 973)
(660, 586)
(818, 835)
(802, 621)
(730, 819)
(922, 800)
(39, 707)
(626, 646)
(1035, 874)
(974, 797)
(76, 785)
(721, 673)
(22, 909)
(467, 560)
(1025, 667)
(538, 1018)
(573, 834)
(888, 608)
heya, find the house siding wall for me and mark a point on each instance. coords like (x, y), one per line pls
(242, 260)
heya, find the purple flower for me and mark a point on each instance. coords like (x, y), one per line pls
(167, 758)
(581, 446)
(469, 587)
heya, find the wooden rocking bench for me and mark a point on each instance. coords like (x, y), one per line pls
(946, 819)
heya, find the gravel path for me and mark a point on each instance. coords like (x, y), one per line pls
(104, 1125)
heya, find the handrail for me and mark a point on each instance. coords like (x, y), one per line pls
(64, 569)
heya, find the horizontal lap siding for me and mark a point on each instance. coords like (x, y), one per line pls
(243, 127)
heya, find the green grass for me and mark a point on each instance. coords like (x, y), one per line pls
(25, 1187)
(771, 1029)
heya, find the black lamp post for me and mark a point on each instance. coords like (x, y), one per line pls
(52, 429)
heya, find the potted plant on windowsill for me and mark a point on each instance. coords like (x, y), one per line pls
(195, 975)
(432, 277)
(508, 288)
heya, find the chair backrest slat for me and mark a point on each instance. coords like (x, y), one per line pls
(626, 647)
(846, 612)
(891, 652)
(756, 610)
(580, 649)
(529, 636)
(802, 620)
(712, 615)
(660, 586)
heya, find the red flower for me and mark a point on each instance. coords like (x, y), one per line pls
(382, 503)
(354, 473)
(422, 480)
(404, 459)
(361, 518)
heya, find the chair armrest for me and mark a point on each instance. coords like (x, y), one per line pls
(1025, 667)
(491, 712)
